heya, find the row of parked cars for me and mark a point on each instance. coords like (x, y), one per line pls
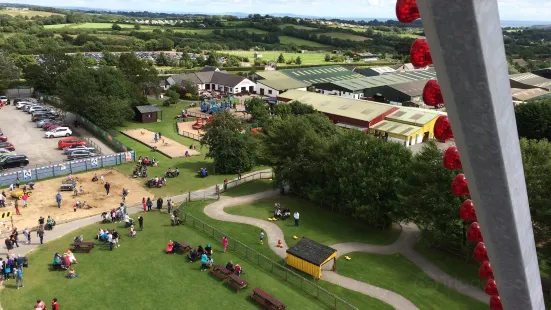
(8, 157)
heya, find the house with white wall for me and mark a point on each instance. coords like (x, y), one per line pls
(273, 83)
(214, 80)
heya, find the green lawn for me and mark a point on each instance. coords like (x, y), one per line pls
(300, 42)
(248, 235)
(29, 13)
(296, 26)
(307, 58)
(139, 275)
(249, 188)
(345, 36)
(316, 223)
(188, 180)
(396, 273)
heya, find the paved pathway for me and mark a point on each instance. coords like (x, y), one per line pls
(403, 245)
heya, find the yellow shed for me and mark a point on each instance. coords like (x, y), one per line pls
(416, 117)
(405, 134)
(308, 256)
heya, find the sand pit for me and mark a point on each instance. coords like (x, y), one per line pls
(169, 148)
(42, 201)
(185, 129)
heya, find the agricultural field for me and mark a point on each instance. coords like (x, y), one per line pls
(88, 26)
(297, 27)
(345, 36)
(300, 42)
(307, 58)
(27, 13)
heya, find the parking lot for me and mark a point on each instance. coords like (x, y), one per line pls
(29, 140)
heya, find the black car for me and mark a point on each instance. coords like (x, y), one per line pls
(13, 161)
(41, 116)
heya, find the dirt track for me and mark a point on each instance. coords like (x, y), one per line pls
(42, 201)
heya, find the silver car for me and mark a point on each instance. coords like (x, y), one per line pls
(70, 150)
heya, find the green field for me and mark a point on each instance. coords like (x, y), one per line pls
(139, 275)
(300, 42)
(250, 188)
(28, 13)
(307, 58)
(89, 26)
(345, 36)
(297, 27)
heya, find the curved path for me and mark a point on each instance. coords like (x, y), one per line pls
(403, 245)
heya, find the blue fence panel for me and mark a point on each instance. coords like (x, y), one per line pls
(65, 168)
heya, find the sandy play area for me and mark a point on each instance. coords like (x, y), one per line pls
(42, 201)
(186, 130)
(233, 111)
(165, 146)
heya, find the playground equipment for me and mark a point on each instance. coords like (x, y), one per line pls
(200, 122)
(213, 106)
(18, 193)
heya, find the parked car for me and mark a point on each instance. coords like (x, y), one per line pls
(52, 126)
(13, 161)
(80, 154)
(28, 106)
(70, 142)
(41, 122)
(58, 132)
(3, 138)
(40, 116)
(21, 104)
(17, 100)
(4, 100)
(4, 151)
(7, 146)
(75, 147)
(82, 148)
(36, 109)
(8, 153)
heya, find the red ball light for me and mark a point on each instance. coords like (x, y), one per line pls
(495, 303)
(485, 271)
(491, 287)
(474, 234)
(480, 253)
(443, 129)
(451, 159)
(407, 11)
(459, 186)
(467, 211)
(419, 53)
(432, 95)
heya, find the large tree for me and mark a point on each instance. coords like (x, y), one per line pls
(534, 119)
(43, 76)
(139, 72)
(103, 95)
(258, 110)
(8, 71)
(230, 148)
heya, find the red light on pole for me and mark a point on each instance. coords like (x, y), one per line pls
(420, 53)
(443, 129)
(432, 95)
(459, 186)
(473, 233)
(467, 211)
(451, 159)
(485, 271)
(407, 11)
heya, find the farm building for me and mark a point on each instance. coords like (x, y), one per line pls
(308, 256)
(546, 73)
(273, 83)
(371, 86)
(528, 94)
(320, 75)
(344, 112)
(408, 126)
(529, 80)
(214, 80)
(375, 71)
(148, 113)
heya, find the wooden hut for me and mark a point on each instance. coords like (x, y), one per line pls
(308, 256)
(148, 113)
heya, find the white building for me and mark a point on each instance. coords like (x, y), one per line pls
(273, 83)
(214, 80)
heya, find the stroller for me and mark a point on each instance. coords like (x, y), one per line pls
(140, 171)
(78, 238)
(129, 223)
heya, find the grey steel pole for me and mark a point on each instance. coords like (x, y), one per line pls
(467, 49)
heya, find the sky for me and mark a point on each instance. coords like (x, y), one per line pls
(524, 10)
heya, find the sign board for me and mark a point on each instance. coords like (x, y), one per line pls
(94, 162)
(128, 156)
(5, 215)
(27, 174)
(62, 167)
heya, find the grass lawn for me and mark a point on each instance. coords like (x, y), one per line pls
(139, 275)
(188, 180)
(345, 36)
(396, 273)
(300, 42)
(249, 235)
(296, 26)
(250, 188)
(316, 223)
(28, 13)
(307, 58)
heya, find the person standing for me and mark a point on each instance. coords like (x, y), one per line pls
(239, 174)
(15, 236)
(18, 273)
(58, 199)
(107, 187)
(144, 205)
(55, 305)
(156, 137)
(102, 179)
(40, 305)
(159, 203)
(140, 222)
(41, 222)
(124, 194)
(169, 205)
(27, 234)
(297, 216)
(115, 239)
(9, 244)
(262, 237)
(17, 212)
(40, 234)
(24, 198)
(225, 243)
(149, 204)
(110, 240)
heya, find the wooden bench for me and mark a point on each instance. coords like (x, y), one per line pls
(185, 247)
(266, 300)
(236, 282)
(220, 271)
(82, 246)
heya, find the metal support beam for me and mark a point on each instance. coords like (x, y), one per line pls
(467, 49)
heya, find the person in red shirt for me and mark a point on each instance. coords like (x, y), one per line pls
(40, 305)
(55, 305)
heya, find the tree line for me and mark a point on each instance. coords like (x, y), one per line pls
(363, 177)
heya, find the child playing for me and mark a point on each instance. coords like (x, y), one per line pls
(261, 237)
(27, 234)
(279, 244)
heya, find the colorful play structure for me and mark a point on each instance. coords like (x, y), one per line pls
(254, 128)
(213, 106)
(200, 122)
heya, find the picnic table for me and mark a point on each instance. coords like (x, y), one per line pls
(220, 271)
(82, 246)
(266, 300)
(185, 247)
(236, 282)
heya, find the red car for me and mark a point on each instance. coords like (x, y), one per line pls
(3, 138)
(49, 127)
(68, 142)
(8, 146)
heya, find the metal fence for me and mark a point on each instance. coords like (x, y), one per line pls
(65, 168)
(253, 256)
(186, 134)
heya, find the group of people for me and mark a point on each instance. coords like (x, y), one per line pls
(234, 268)
(172, 173)
(203, 172)
(110, 236)
(40, 305)
(281, 213)
(145, 161)
(12, 267)
(156, 182)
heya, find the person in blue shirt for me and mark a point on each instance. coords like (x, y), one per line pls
(204, 262)
(58, 200)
